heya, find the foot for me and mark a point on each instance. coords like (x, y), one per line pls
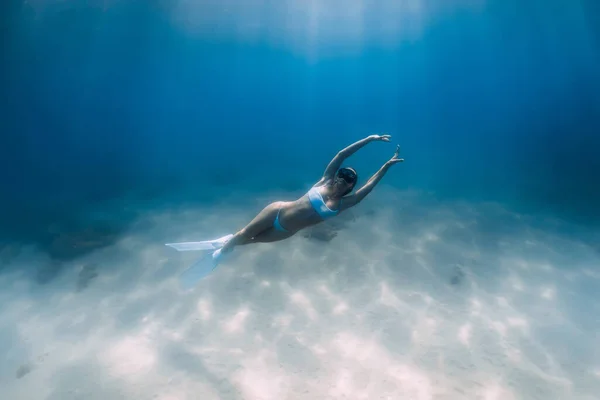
(229, 244)
(217, 256)
(220, 242)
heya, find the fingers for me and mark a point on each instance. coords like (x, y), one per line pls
(383, 138)
(395, 159)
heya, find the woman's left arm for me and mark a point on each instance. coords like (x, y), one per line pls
(360, 194)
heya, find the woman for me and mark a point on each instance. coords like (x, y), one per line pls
(326, 199)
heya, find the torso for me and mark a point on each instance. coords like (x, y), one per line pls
(299, 214)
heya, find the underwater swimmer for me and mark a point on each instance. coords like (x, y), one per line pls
(280, 220)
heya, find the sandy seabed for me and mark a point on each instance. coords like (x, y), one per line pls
(412, 299)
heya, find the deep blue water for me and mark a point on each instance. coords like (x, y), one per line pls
(496, 100)
(471, 272)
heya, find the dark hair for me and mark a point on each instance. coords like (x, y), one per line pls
(346, 173)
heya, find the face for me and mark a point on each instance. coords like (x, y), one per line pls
(342, 185)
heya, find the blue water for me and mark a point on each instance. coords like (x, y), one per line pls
(128, 124)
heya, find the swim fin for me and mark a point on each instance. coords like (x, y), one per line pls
(205, 245)
(200, 269)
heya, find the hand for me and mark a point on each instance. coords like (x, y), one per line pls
(395, 158)
(382, 138)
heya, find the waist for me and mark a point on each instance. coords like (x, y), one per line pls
(299, 214)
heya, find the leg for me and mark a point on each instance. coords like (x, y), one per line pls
(262, 222)
(271, 235)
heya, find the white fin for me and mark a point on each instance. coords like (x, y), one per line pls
(205, 245)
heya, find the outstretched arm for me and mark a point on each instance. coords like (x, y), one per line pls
(360, 194)
(339, 158)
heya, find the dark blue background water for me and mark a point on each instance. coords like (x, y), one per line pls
(500, 102)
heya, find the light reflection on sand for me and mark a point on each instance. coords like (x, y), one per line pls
(305, 320)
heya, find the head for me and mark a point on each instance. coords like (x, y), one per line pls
(345, 180)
